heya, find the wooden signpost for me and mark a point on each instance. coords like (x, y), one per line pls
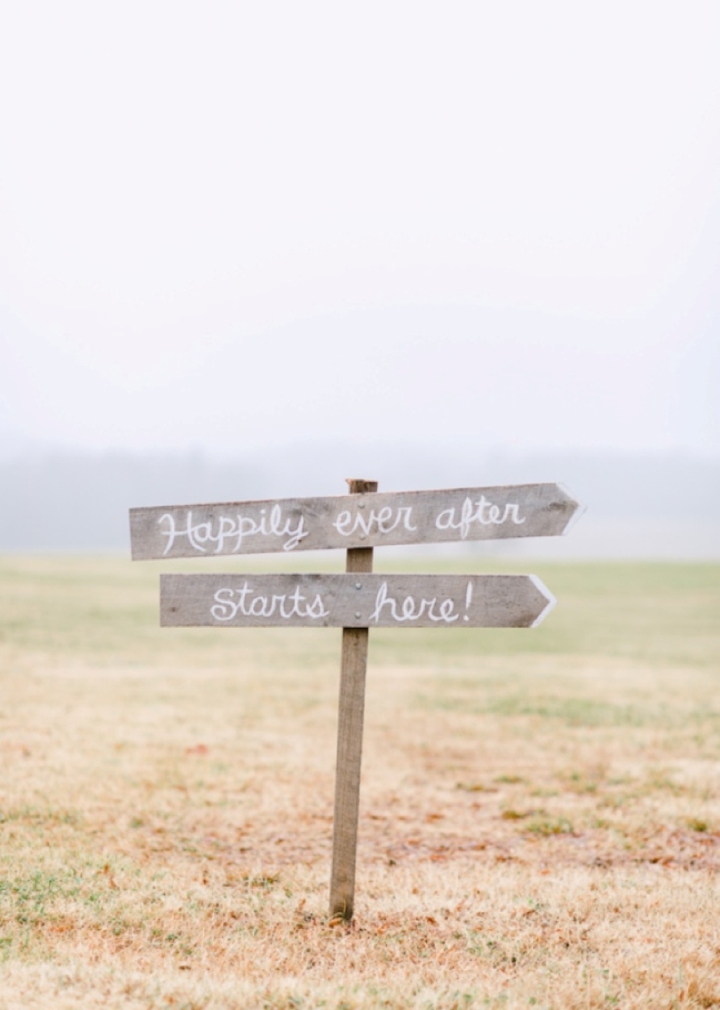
(357, 600)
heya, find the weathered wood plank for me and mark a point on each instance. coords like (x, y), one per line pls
(351, 717)
(353, 601)
(351, 521)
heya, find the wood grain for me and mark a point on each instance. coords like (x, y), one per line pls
(351, 717)
(351, 521)
(349, 600)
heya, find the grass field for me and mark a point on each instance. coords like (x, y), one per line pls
(540, 816)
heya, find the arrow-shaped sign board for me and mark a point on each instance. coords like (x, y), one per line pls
(351, 521)
(354, 601)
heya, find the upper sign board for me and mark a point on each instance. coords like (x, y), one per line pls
(349, 521)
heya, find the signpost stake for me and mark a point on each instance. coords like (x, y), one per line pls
(351, 712)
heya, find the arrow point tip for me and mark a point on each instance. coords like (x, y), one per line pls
(578, 510)
(547, 595)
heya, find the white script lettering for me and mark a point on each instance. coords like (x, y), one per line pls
(228, 602)
(482, 511)
(410, 610)
(227, 533)
(385, 520)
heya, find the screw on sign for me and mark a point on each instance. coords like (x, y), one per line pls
(357, 600)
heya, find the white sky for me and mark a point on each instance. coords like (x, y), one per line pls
(225, 225)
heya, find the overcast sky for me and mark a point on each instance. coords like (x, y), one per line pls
(229, 225)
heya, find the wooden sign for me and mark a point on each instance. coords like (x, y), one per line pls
(383, 520)
(351, 601)
(358, 599)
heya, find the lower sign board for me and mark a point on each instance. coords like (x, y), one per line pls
(354, 601)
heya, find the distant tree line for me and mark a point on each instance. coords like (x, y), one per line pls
(71, 501)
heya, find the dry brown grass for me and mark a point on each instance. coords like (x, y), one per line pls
(540, 819)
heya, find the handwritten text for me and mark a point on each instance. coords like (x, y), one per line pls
(229, 601)
(385, 520)
(410, 609)
(482, 511)
(227, 533)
